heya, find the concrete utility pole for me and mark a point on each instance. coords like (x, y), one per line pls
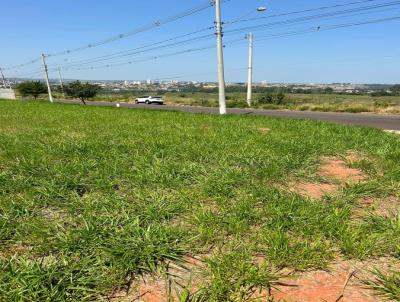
(61, 81)
(220, 55)
(250, 71)
(46, 74)
(3, 77)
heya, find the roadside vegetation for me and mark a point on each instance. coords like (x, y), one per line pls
(322, 100)
(275, 100)
(95, 200)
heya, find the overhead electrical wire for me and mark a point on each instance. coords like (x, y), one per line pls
(155, 57)
(159, 44)
(192, 11)
(77, 63)
(21, 65)
(194, 74)
(260, 38)
(144, 46)
(325, 28)
(304, 22)
(141, 29)
(298, 11)
(313, 17)
(150, 57)
(144, 28)
(295, 21)
(150, 47)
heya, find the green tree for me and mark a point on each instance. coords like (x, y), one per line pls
(83, 91)
(32, 88)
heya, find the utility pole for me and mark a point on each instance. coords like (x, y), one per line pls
(250, 71)
(220, 55)
(3, 77)
(46, 74)
(61, 81)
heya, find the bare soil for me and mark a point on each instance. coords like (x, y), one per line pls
(344, 281)
(314, 190)
(338, 169)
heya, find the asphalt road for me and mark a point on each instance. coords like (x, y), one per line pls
(386, 122)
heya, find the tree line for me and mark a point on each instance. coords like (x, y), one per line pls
(77, 89)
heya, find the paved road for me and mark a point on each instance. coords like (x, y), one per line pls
(387, 122)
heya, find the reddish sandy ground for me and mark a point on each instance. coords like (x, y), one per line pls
(343, 281)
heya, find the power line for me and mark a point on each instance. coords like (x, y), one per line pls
(150, 47)
(259, 38)
(146, 59)
(136, 31)
(190, 50)
(22, 65)
(111, 57)
(194, 74)
(208, 28)
(298, 12)
(335, 17)
(308, 18)
(190, 12)
(325, 28)
(140, 47)
(144, 28)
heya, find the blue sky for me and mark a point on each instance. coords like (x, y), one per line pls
(365, 54)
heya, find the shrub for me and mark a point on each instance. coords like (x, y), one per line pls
(275, 99)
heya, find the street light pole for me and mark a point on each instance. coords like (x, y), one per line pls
(250, 68)
(220, 56)
(250, 71)
(46, 74)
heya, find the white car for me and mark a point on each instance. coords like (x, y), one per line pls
(150, 100)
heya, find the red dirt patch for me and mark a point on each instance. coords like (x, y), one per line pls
(153, 291)
(337, 169)
(164, 289)
(314, 190)
(322, 286)
(343, 282)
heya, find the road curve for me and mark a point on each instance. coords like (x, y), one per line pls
(386, 122)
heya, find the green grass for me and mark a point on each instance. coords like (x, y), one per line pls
(91, 198)
(387, 285)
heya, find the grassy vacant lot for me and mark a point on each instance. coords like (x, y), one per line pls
(93, 198)
(313, 102)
